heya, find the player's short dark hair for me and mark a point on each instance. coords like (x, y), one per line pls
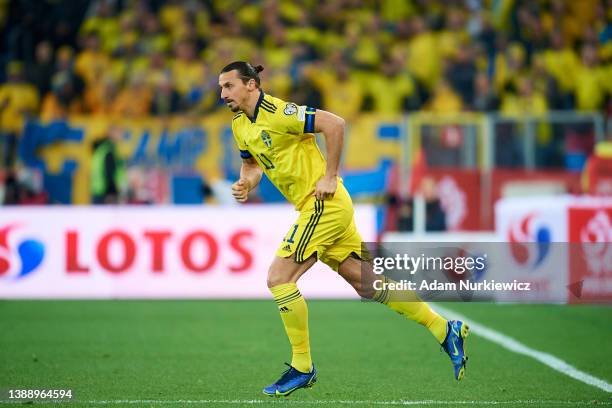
(245, 71)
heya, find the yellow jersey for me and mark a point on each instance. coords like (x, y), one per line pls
(280, 137)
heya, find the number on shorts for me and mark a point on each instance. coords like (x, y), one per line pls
(290, 240)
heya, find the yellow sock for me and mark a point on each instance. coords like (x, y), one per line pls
(410, 305)
(294, 312)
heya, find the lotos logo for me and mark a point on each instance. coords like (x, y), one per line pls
(31, 253)
(596, 241)
(529, 241)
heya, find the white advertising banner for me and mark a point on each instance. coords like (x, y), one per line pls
(545, 236)
(153, 252)
(530, 226)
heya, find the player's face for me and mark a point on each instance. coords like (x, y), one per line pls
(234, 92)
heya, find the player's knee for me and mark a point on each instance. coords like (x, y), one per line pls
(275, 278)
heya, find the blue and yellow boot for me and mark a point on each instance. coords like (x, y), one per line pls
(290, 381)
(453, 344)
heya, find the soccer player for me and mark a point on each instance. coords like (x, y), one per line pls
(277, 137)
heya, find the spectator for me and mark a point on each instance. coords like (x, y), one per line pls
(66, 95)
(39, 72)
(562, 63)
(153, 38)
(305, 93)
(453, 38)
(532, 103)
(65, 64)
(424, 59)
(18, 102)
(186, 69)
(278, 82)
(99, 98)
(445, 99)
(461, 73)
(545, 83)
(62, 100)
(92, 63)
(135, 100)
(341, 93)
(591, 81)
(102, 20)
(528, 101)
(485, 99)
(166, 100)
(127, 58)
(157, 69)
(405, 216)
(108, 172)
(510, 68)
(435, 218)
(399, 88)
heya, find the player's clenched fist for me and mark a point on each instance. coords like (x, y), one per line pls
(326, 188)
(240, 190)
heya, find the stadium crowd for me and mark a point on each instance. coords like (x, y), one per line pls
(135, 58)
(130, 59)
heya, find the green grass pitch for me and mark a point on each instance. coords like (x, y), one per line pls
(222, 353)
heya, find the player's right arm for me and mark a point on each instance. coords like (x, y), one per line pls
(250, 175)
(250, 172)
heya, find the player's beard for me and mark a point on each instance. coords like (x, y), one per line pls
(233, 107)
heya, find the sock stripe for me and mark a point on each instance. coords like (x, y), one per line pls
(287, 301)
(289, 297)
(286, 295)
(383, 295)
(380, 297)
(319, 206)
(387, 294)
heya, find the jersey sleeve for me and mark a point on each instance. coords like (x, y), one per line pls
(244, 152)
(297, 119)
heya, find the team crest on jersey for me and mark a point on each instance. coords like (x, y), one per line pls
(266, 139)
(290, 109)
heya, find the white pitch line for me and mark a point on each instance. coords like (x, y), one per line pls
(538, 403)
(511, 344)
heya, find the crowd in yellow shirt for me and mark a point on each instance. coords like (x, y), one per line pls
(345, 56)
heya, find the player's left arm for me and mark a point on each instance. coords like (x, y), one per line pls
(332, 126)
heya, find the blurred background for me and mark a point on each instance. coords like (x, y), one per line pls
(113, 101)
(466, 120)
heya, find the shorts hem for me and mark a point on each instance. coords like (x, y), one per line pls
(305, 258)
